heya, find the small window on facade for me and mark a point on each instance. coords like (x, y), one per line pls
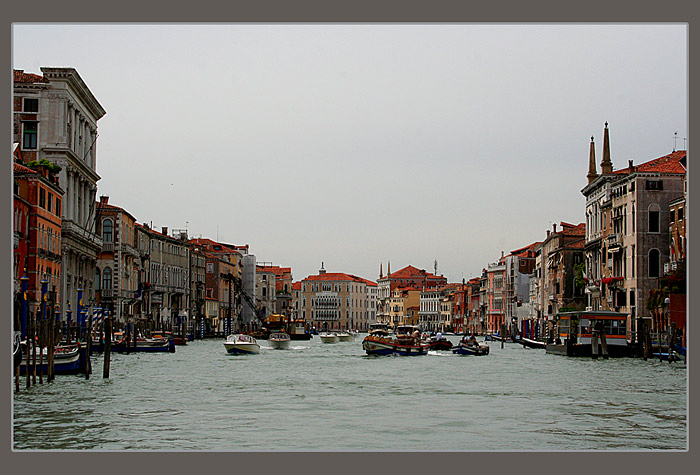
(655, 185)
(42, 198)
(654, 264)
(107, 230)
(29, 136)
(48, 202)
(680, 214)
(654, 224)
(107, 278)
(31, 105)
(672, 216)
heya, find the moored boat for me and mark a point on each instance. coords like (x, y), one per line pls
(328, 337)
(67, 359)
(239, 344)
(279, 341)
(529, 343)
(590, 333)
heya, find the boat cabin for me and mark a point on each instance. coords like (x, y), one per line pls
(578, 327)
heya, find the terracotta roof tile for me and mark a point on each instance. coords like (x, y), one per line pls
(670, 163)
(22, 77)
(17, 168)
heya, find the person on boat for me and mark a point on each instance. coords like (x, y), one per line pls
(472, 340)
(416, 336)
(438, 336)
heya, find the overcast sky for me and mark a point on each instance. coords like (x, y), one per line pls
(358, 144)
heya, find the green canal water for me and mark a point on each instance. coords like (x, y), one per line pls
(333, 397)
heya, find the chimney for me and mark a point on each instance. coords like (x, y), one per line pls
(104, 199)
(606, 164)
(321, 270)
(631, 163)
(381, 273)
(548, 233)
(164, 230)
(592, 173)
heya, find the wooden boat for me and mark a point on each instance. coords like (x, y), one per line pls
(153, 344)
(590, 333)
(67, 359)
(238, 344)
(439, 344)
(328, 337)
(381, 342)
(528, 343)
(279, 341)
(467, 349)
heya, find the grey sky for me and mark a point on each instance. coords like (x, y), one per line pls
(356, 144)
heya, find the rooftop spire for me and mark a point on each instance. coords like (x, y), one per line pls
(606, 164)
(592, 174)
(381, 273)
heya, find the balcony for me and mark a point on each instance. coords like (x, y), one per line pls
(107, 247)
(73, 230)
(614, 241)
(106, 293)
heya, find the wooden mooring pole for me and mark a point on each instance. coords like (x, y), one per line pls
(108, 343)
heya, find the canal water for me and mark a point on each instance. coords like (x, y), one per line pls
(333, 397)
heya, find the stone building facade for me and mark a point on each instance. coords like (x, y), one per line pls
(55, 118)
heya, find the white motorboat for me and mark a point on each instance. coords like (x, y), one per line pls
(345, 336)
(279, 341)
(328, 337)
(237, 344)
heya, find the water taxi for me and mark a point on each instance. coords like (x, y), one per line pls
(328, 337)
(279, 341)
(238, 344)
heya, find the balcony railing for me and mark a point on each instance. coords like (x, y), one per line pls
(107, 246)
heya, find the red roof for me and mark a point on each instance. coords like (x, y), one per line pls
(21, 168)
(340, 276)
(21, 76)
(573, 230)
(670, 163)
(296, 285)
(410, 271)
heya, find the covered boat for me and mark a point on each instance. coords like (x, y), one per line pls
(590, 333)
(279, 341)
(239, 344)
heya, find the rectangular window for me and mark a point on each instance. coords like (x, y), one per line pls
(42, 198)
(31, 105)
(654, 221)
(29, 135)
(672, 216)
(48, 202)
(680, 214)
(655, 185)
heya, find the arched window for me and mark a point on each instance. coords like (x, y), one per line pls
(107, 278)
(654, 218)
(107, 230)
(654, 263)
(97, 279)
